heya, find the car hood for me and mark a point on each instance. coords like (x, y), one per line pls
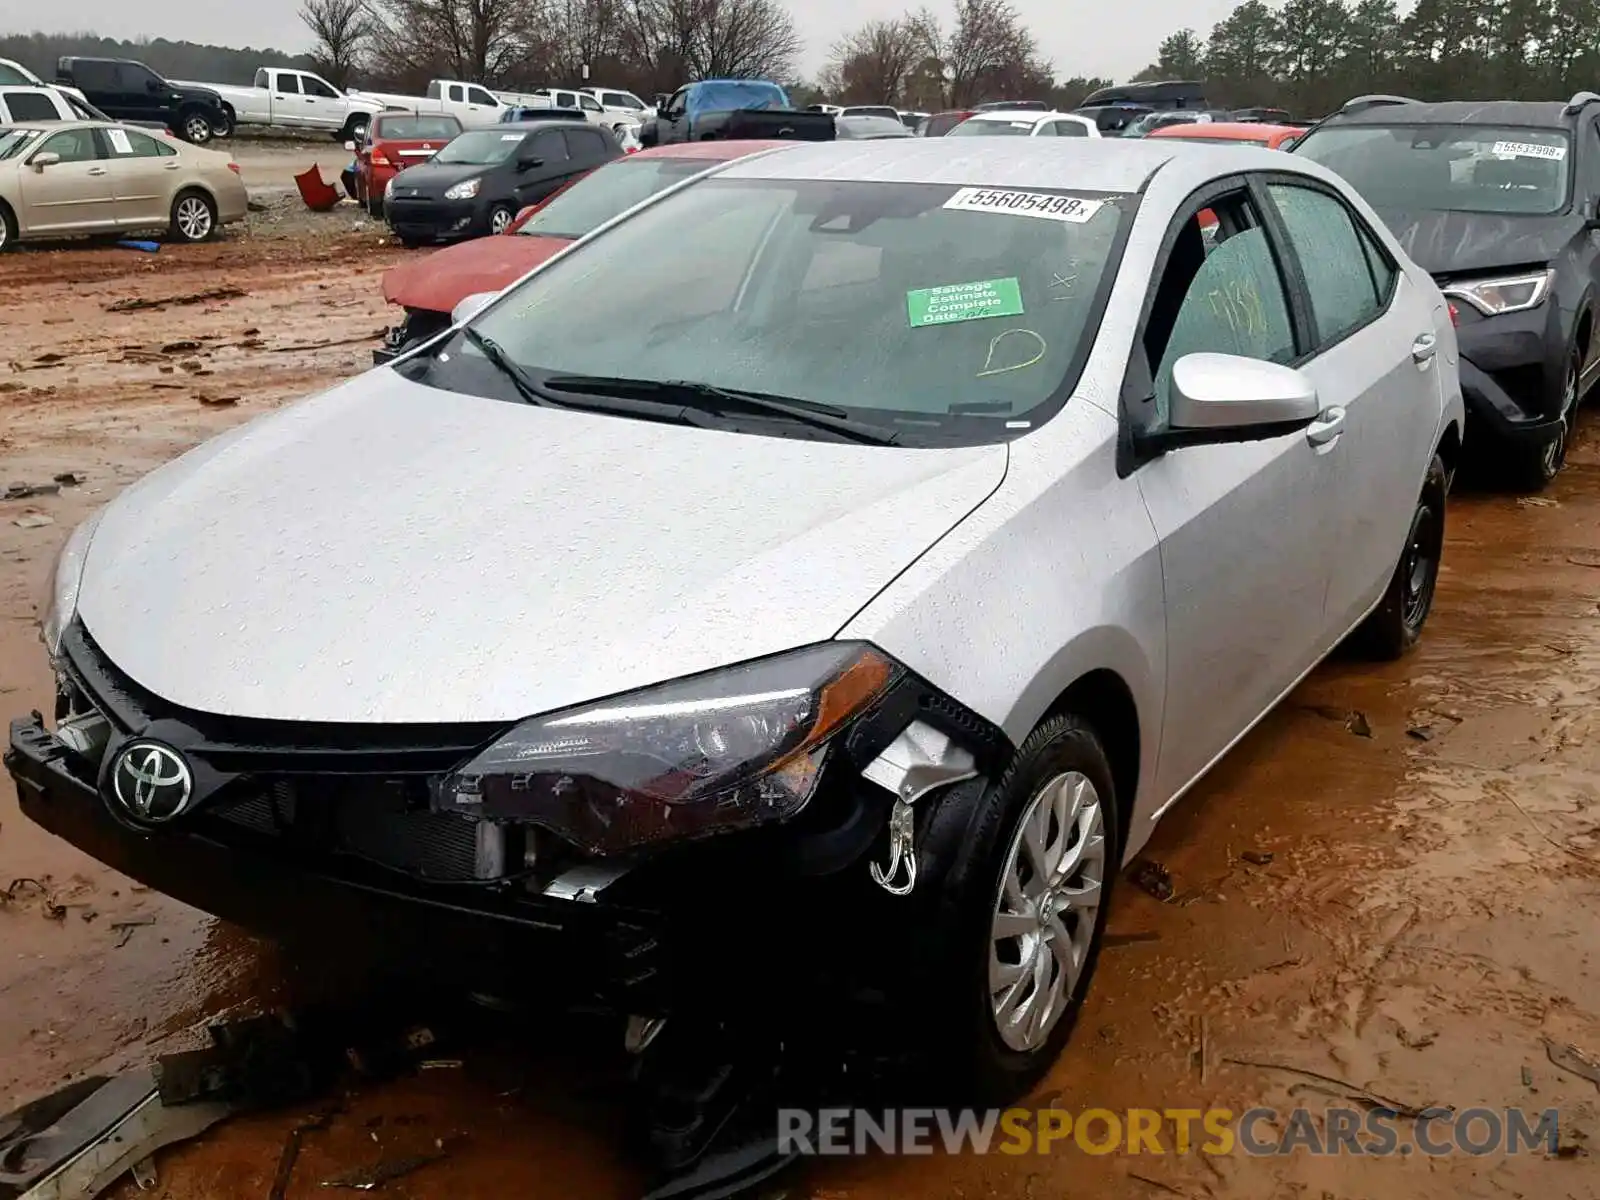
(190, 92)
(439, 281)
(389, 552)
(1457, 243)
(433, 178)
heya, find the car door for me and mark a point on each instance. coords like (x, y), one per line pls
(142, 171)
(481, 107)
(324, 107)
(148, 97)
(588, 149)
(288, 104)
(674, 118)
(70, 196)
(549, 166)
(1245, 541)
(1376, 358)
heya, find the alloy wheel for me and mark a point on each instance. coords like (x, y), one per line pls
(198, 130)
(194, 219)
(1045, 913)
(498, 220)
(1555, 453)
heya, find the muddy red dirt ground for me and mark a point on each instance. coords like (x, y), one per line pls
(1426, 920)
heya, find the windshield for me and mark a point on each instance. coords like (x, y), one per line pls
(482, 147)
(612, 189)
(989, 127)
(417, 129)
(942, 313)
(1457, 168)
(14, 141)
(869, 127)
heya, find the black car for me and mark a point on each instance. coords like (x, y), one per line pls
(1498, 201)
(130, 91)
(477, 184)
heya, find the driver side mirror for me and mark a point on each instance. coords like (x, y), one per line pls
(1225, 398)
(529, 162)
(47, 159)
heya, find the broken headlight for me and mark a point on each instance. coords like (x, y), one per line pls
(66, 582)
(731, 749)
(1503, 294)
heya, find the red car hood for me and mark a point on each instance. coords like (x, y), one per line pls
(439, 281)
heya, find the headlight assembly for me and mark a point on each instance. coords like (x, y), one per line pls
(731, 749)
(62, 604)
(1504, 293)
(464, 190)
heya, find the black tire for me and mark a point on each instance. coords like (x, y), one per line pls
(973, 1059)
(1392, 628)
(1540, 464)
(500, 216)
(354, 130)
(8, 228)
(224, 126)
(194, 126)
(194, 216)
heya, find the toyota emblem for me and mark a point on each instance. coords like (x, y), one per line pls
(152, 782)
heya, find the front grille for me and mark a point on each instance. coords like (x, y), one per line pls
(375, 821)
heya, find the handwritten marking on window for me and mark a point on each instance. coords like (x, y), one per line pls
(1238, 302)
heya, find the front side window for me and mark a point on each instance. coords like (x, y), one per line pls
(1233, 298)
(1454, 168)
(590, 104)
(1338, 275)
(315, 87)
(1070, 129)
(73, 145)
(136, 78)
(623, 100)
(478, 96)
(949, 314)
(481, 148)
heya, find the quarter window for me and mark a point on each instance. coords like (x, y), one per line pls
(1334, 257)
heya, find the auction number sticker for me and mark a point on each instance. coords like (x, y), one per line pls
(964, 302)
(1051, 207)
(1528, 150)
(119, 141)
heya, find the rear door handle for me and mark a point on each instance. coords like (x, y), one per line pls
(1328, 426)
(1424, 348)
(97, 171)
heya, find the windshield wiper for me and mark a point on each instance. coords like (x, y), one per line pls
(693, 394)
(535, 393)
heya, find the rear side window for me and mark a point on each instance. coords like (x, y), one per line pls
(94, 76)
(129, 143)
(1070, 129)
(548, 146)
(584, 144)
(30, 106)
(1334, 258)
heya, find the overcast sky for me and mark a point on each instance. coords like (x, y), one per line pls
(1082, 37)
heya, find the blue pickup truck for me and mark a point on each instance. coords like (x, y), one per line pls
(732, 108)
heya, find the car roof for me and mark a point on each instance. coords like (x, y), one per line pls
(1089, 164)
(529, 126)
(1237, 131)
(715, 150)
(1026, 114)
(1548, 114)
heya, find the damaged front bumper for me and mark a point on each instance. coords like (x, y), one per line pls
(1511, 373)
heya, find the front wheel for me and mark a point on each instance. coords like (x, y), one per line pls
(1028, 911)
(195, 127)
(1394, 626)
(194, 217)
(500, 218)
(8, 228)
(1544, 463)
(222, 125)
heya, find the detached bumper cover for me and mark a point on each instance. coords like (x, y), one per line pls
(1511, 371)
(1498, 412)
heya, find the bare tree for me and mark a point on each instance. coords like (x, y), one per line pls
(873, 64)
(991, 53)
(486, 41)
(342, 29)
(680, 40)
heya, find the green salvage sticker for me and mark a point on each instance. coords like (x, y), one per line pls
(964, 302)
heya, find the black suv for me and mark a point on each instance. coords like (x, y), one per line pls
(1498, 201)
(130, 91)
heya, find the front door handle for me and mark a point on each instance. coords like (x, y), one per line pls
(97, 171)
(1424, 348)
(1328, 426)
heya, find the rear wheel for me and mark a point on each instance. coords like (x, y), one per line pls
(1395, 625)
(8, 227)
(222, 126)
(194, 217)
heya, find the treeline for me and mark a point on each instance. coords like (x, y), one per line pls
(177, 60)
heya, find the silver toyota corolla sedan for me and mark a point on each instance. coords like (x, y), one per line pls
(818, 580)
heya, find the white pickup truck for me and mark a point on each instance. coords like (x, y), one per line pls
(291, 99)
(472, 104)
(618, 105)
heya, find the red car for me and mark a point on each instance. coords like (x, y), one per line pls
(1273, 137)
(395, 141)
(430, 287)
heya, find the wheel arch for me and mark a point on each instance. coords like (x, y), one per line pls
(1449, 449)
(1103, 699)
